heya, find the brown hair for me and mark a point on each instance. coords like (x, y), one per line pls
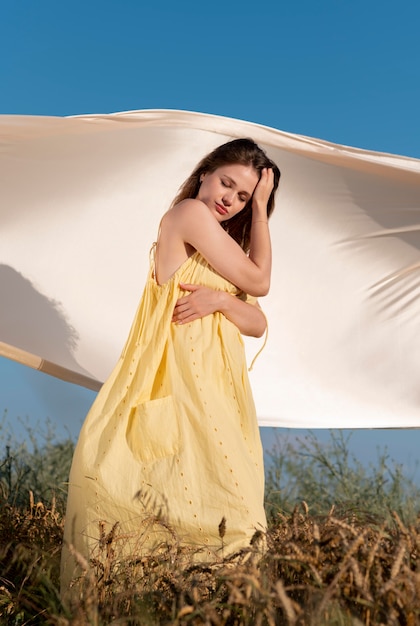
(245, 152)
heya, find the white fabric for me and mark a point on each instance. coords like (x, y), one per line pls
(80, 202)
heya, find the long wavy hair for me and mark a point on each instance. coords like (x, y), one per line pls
(244, 152)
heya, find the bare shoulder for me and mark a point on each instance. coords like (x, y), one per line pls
(187, 220)
(177, 216)
(189, 208)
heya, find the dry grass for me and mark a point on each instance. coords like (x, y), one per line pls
(316, 571)
(316, 566)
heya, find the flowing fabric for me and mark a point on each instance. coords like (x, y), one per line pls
(80, 201)
(171, 442)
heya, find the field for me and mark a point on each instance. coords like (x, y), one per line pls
(342, 548)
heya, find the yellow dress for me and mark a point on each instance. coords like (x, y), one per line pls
(171, 441)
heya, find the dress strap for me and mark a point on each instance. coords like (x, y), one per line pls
(152, 259)
(262, 347)
(152, 253)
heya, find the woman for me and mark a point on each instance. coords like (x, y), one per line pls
(171, 444)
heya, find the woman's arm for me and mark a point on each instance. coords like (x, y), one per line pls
(192, 223)
(202, 301)
(260, 244)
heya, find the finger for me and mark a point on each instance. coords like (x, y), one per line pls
(189, 318)
(266, 181)
(179, 311)
(262, 176)
(189, 286)
(267, 175)
(178, 316)
(185, 299)
(270, 180)
(185, 319)
(181, 301)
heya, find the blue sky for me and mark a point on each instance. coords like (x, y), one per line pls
(347, 72)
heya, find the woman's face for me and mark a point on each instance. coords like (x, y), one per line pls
(227, 190)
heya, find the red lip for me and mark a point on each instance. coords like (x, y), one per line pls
(221, 209)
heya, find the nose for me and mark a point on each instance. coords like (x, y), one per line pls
(227, 197)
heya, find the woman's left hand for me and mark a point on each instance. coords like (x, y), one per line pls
(263, 191)
(200, 302)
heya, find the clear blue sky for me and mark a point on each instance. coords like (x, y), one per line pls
(345, 71)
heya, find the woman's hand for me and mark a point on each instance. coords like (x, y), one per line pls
(200, 302)
(262, 193)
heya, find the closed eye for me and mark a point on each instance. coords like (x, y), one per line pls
(227, 183)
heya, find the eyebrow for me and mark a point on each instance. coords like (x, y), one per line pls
(236, 184)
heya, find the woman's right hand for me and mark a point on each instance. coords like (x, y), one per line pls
(201, 301)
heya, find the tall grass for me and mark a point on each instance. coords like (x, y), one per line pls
(328, 559)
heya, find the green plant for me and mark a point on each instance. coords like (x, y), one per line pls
(328, 474)
(39, 464)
